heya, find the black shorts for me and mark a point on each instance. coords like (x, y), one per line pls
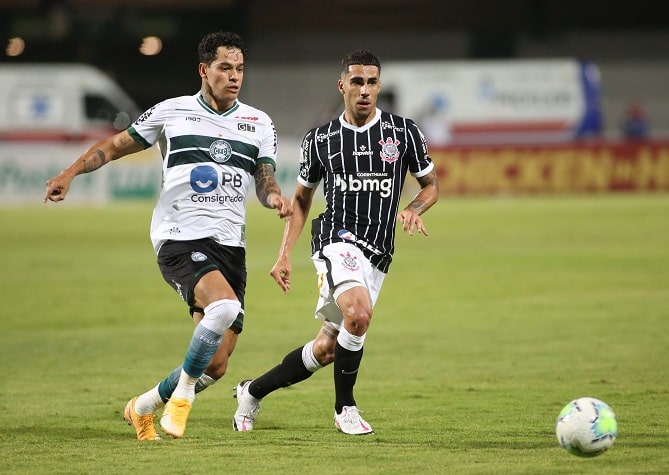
(183, 263)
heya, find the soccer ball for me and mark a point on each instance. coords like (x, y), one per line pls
(586, 427)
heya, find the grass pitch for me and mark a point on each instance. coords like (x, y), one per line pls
(483, 332)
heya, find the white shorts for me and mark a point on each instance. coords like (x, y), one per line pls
(344, 267)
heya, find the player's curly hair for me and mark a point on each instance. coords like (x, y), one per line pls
(363, 57)
(210, 43)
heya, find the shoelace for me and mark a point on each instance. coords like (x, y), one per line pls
(352, 416)
(251, 414)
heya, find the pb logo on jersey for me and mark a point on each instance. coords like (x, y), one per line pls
(220, 151)
(203, 179)
(389, 151)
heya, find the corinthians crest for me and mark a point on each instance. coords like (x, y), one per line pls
(220, 151)
(389, 151)
(349, 261)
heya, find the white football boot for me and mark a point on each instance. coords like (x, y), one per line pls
(247, 407)
(350, 422)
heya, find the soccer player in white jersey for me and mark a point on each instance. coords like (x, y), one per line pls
(362, 157)
(212, 146)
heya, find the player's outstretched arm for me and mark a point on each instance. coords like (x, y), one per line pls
(101, 153)
(426, 197)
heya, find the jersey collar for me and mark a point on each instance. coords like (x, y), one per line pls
(346, 125)
(207, 107)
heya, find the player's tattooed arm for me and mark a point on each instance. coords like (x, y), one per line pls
(94, 160)
(428, 195)
(266, 183)
(104, 152)
(269, 191)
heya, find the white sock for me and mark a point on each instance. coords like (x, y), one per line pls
(148, 402)
(308, 358)
(186, 387)
(349, 341)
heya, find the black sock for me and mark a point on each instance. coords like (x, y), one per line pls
(290, 371)
(346, 365)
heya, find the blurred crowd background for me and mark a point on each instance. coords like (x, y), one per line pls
(295, 46)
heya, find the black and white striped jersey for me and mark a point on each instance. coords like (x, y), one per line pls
(363, 170)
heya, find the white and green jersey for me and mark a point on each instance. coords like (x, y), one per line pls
(209, 158)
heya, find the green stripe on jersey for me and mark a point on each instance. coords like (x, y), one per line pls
(138, 138)
(199, 155)
(195, 149)
(204, 141)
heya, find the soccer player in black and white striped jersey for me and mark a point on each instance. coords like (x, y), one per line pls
(362, 157)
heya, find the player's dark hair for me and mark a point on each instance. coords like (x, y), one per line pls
(363, 57)
(208, 47)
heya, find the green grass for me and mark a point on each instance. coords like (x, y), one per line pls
(483, 332)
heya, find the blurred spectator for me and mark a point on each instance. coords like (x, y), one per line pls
(635, 123)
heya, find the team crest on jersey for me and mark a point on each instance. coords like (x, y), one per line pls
(198, 257)
(220, 151)
(350, 262)
(389, 151)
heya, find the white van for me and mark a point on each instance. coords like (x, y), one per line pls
(61, 102)
(50, 114)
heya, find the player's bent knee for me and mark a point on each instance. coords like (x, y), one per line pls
(359, 323)
(220, 315)
(357, 318)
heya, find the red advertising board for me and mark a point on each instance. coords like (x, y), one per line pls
(597, 166)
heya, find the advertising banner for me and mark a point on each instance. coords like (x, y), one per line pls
(25, 168)
(585, 167)
(497, 102)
